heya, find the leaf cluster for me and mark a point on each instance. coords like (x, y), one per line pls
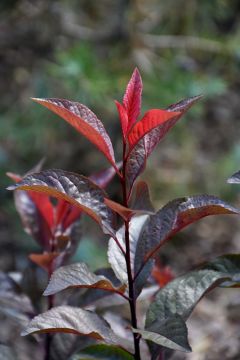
(132, 247)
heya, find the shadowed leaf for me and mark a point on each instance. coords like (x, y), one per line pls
(181, 295)
(72, 320)
(76, 189)
(170, 333)
(13, 303)
(173, 217)
(33, 222)
(142, 199)
(45, 260)
(78, 276)
(136, 163)
(7, 353)
(84, 121)
(104, 177)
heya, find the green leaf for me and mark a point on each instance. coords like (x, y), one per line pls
(76, 189)
(169, 220)
(67, 319)
(104, 352)
(170, 333)
(181, 295)
(78, 276)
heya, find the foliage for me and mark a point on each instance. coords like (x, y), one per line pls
(132, 248)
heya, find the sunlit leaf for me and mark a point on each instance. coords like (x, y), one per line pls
(170, 333)
(76, 189)
(132, 98)
(123, 116)
(183, 105)
(78, 276)
(115, 256)
(84, 121)
(137, 158)
(155, 118)
(73, 320)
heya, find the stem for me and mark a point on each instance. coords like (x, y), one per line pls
(48, 338)
(132, 297)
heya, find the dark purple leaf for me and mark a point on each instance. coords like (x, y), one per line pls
(168, 221)
(235, 178)
(78, 276)
(142, 199)
(170, 333)
(76, 189)
(67, 319)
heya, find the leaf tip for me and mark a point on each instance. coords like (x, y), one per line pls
(11, 187)
(24, 332)
(47, 292)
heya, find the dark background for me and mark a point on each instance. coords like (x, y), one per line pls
(85, 51)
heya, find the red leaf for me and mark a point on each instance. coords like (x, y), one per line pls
(45, 261)
(152, 119)
(73, 216)
(44, 206)
(132, 98)
(121, 210)
(67, 214)
(84, 121)
(137, 158)
(162, 274)
(14, 177)
(123, 118)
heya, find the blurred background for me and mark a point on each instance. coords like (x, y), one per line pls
(86, 50)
